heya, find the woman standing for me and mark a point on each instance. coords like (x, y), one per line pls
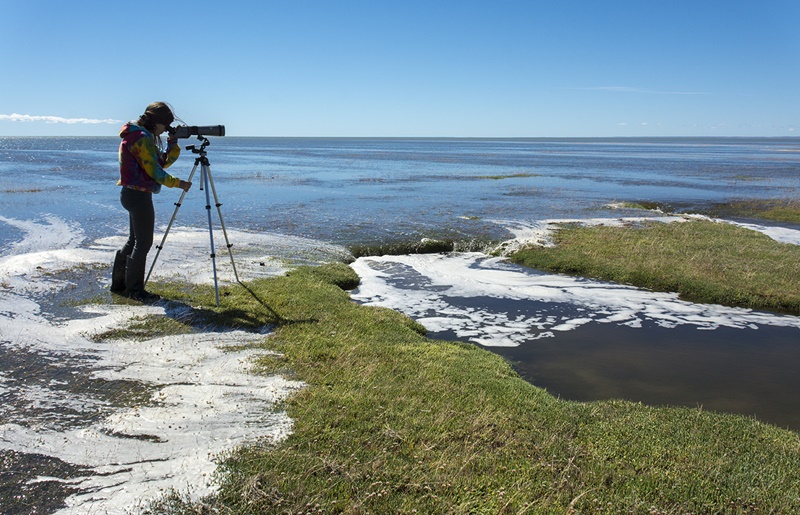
(142, 160)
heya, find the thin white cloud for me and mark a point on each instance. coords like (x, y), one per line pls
(14, 117)
(627, 89)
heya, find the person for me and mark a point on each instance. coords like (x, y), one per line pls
(142, 160)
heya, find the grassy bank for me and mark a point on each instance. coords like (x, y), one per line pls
(778, 210)
(703, 261)
(392, 422)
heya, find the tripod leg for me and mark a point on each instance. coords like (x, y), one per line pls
(169, 226)
(222, 223)
(204, 177)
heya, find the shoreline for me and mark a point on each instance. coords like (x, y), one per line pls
(312, 317)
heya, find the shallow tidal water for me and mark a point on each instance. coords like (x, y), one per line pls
(101, 426)
(721, 370)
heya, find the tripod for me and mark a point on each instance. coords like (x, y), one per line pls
(205, 181)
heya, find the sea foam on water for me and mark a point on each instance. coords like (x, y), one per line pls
(203, 400)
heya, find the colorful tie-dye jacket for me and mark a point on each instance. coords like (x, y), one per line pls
(141, 164)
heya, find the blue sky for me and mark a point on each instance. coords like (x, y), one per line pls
(405, 68)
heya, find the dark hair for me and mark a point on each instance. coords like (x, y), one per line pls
(157, 112)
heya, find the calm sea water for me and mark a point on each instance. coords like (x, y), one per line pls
(580, 339)
(373, 190)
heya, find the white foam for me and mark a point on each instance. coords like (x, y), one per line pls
(204, 401)
(781, 234)
(445, 284)
(204, 404)
(51, 233)
(186, 254)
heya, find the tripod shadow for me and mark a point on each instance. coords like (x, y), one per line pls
(278, 317)
(233, 318)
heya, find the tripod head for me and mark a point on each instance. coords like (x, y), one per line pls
(202, 149)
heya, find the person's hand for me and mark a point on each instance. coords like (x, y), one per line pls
(185, 185)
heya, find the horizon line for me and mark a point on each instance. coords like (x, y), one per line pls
(425, 137)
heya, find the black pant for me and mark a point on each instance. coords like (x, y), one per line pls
(142, 215)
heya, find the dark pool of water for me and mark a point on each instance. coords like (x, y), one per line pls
(745, 371)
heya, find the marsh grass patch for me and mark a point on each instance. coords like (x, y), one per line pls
(703, 261)
(142, 328)
(643, 205)
(779, 210)
(424, 246)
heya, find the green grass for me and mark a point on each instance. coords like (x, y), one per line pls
(393, 422)
(643, 205)
(703, 261)
(144, 328)
(779, 210)
(423, 246)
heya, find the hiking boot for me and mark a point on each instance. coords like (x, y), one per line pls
(118, 273)
(134, 282)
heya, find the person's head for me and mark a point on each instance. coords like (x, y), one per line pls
(157, 113)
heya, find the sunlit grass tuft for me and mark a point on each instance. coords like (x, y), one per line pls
(778, 210)
(144, 328)
(703, 261)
